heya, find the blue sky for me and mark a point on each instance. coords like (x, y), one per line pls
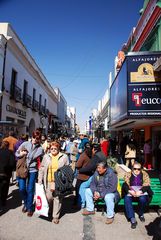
(74, 42)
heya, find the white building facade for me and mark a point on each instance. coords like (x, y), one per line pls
(27, 98)
(71, 113)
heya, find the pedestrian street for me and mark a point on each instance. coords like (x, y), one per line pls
(15, 225)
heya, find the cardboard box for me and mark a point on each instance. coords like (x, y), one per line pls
(121, 170)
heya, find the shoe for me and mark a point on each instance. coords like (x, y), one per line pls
(55, 220)
(86, 212)
(24, 209)
(29, 214)
(142, 218)
(133, 225)
(109, 220)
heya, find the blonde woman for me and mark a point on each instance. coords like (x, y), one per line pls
(130, 154)
(50, 164)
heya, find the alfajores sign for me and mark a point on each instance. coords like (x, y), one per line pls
(145, 59)
(145, 103)
(144, 86)
(20, 113)
(138, 100)
(136, 90)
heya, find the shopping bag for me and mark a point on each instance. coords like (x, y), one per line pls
(41, 204)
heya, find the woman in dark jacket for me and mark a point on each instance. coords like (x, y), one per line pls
(7, 164)
(83, 161)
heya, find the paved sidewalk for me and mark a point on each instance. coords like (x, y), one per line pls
(14, 225)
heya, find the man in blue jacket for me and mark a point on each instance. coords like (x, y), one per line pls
(103, 185)
(84, 139)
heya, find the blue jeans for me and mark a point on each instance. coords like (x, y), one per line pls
(27, 190)
(109, 200)
(82, 189)
(143, 200)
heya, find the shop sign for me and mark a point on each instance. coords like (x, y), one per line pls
(136, 90)
(144, 87)
(20, 113)
(145, 101)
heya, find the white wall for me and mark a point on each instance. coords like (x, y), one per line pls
(19, 59)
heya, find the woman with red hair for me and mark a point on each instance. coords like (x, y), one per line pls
(33, 152)
(50, 164)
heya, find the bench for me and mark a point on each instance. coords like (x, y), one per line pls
(156, 199)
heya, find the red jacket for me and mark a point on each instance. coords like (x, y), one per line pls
(105, 147)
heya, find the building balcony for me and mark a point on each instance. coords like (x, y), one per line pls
(35, 105)
(16, 94)
(27, 100)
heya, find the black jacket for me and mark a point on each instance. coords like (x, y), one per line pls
(7, 162)
(91, 167)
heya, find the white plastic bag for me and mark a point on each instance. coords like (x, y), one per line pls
(41, 204)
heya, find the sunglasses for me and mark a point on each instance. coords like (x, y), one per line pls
(53, 149)
(137, 169)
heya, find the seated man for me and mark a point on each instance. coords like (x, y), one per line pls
(103, 185)
(136, 188)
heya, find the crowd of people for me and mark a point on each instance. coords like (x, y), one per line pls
(94, 179)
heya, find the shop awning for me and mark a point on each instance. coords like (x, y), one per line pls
(133, 123)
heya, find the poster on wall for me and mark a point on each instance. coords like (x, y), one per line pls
(144, 86)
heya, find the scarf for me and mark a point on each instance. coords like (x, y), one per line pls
(53, 167)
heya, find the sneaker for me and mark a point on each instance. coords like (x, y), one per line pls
(142, 218)
(86, 212)
(109, 220)
(133, 225)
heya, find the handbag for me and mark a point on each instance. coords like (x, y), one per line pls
(41, 205)
(21, 168)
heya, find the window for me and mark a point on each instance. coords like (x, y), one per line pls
(40, 99)
(25, 89)
(13, 82)
(34, 94)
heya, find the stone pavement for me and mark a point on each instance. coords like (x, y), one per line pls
(14, 225)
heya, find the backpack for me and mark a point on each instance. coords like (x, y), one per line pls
(64, 177)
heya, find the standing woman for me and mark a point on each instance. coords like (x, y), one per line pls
(83, 161)
(50, 164)
(130, 154)
(148, 155)
(33, 152)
